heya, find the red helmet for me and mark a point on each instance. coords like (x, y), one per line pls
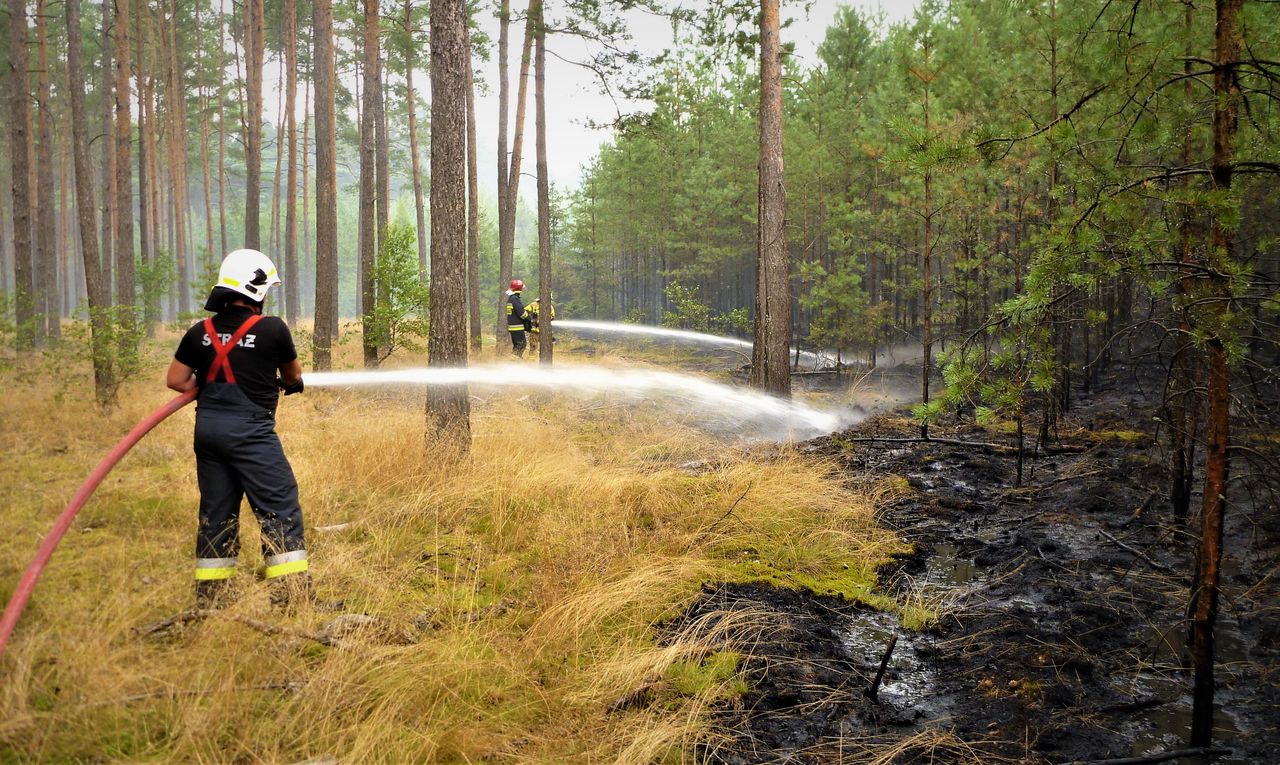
(517, 285)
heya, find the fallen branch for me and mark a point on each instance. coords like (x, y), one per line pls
(873, 691)
(918, 440)
(1154, 564)
(1176, 754)
(200, 614)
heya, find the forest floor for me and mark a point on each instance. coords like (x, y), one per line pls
(1060, 605)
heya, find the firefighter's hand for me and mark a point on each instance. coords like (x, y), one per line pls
(288, 389)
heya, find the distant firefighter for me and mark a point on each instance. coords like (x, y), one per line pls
(532, 323)
(517, 318)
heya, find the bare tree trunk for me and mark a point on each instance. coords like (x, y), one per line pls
(1226, 88)
(412, 97)
(274, 237)
(770, 369)
(473, 208)
(368, 182)
(544, 195)
(507, 206)
(222, 133)
(254, 50)
(504, 265)
(307, 258)
(291, 182)
(326, 314)
(47, 294)
(20, 174)
(202, 102)
(108, 151)
(178, 162)
(98, 292)
(126, 290)
(150, 301)
(448, 408)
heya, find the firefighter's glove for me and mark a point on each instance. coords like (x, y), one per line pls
(289, 390)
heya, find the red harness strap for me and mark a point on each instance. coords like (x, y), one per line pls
(221, 360)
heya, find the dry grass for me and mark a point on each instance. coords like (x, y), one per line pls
(517, 596)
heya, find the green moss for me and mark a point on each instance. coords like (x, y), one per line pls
(716, 674)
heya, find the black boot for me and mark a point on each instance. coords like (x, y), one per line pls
(213, 594)
(294, 593)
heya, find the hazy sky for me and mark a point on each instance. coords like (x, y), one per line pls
(574, 98)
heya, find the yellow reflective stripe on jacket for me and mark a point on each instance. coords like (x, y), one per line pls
(516, 327)
(291, 562)
(215, 568)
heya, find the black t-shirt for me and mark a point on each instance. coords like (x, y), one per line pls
(254, 360)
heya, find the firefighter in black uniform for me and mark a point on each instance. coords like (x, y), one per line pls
(240, 360)
(517, 319)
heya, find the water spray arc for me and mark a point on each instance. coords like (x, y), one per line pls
(28, 582)
(682, 335)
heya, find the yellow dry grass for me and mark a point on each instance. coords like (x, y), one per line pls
(518, 592)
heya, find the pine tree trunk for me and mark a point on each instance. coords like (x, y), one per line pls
(254, 50)
(150, 302)
(274, 235)
(98, 291)
(1226, 89)
(507, 205)
(19, 120)
(504, 265)
(770, 368)
(368, 183)
(126, 290)
(473, 209)
(307, 259)
(326, 311)
(544, 195)
(448, 408)
(291, 182)
(178, 162)
(222, 135)
(108, 223)
(412, 97)
(206, 182)
(48, 304)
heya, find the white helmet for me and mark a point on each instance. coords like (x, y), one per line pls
(249, 273)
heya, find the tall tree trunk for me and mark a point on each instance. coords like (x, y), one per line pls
(202, 103)
(274, 236)
(411, 96)
(544, 195)
(108, 230)
(507, 205)
(504, 265)
(326, 313)
(222, 135)
(254, 51)
(448, 408)
(48, 305)
(178, 163)
(291, 183)
(770, 368)
(126, 290)
(1228, 44)
(368, 183)
(1183, 398)
(473, 208)
(308, 258)
(150, 300)
(20, 175)
(98, 292)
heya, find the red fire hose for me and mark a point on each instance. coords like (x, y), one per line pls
(28, 583)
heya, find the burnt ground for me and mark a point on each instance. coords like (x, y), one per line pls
(1061, 602)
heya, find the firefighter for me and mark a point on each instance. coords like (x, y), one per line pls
(517, 319)
(239, 360)
(534, 330)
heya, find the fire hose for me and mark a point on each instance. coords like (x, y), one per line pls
(28, 583)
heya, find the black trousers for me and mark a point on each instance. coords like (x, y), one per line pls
(238, 453)
(518, 342)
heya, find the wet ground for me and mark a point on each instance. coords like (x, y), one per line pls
(1061, 611)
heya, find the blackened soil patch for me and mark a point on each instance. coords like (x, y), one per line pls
(1061, 602)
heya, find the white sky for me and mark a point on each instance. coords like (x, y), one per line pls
(574, 100)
